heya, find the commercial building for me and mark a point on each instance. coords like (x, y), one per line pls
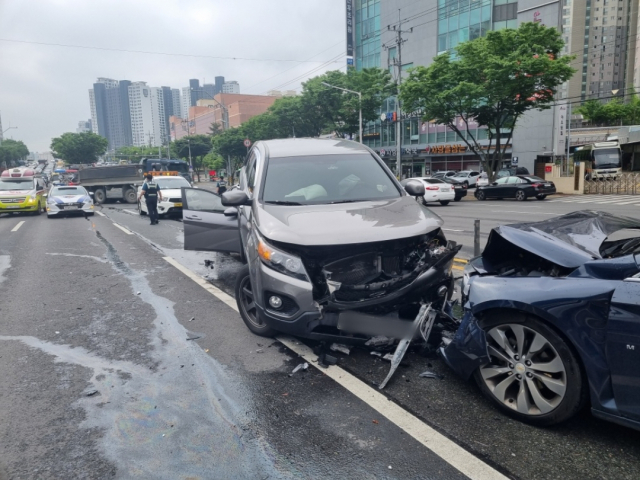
(83, 126)
(231, 87)
(109, 104)
(237, 109)
(400, 34)
(147, 115)
(282, 93)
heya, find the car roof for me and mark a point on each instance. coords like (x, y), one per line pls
(297, 147)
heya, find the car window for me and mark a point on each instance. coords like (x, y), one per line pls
(535, 179)
(474, 174)
(323, 179)
(512, 180)
(251, 171)
(502, 181)
(203, 201)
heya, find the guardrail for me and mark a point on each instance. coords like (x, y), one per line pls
(623, 184)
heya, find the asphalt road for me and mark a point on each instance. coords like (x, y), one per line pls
(102, 376)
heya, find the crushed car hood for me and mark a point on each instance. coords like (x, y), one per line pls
(346, 223)
(568, 240)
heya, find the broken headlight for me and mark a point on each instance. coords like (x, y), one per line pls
(280, 261)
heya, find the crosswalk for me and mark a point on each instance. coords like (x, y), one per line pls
(598, 199)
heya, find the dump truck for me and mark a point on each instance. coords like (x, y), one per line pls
(118, 182)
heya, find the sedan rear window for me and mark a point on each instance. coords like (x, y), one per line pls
(326, 179)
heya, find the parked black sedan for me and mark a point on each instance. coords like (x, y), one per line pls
(458, 187)
(519, 187)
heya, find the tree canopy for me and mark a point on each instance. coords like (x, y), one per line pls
(492, 80)
(11, 152)
(199, 145)
(80, 148)
(612, 113)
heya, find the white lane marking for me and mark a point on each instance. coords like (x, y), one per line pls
(17, 227)
(452, 230)
(130, 212)
(449, 451)
(101, 214)
(526, 213)
(123, 229)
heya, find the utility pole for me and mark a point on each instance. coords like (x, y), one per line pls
(397, 61)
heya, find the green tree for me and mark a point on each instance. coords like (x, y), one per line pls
(80, 148)
(614, 112)
(492, 80)
(11, 152)
(198, 145)
(134, 154)
(593, 111)
(215, 129)
(632, 111)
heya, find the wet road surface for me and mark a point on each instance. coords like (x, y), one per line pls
(113, 364)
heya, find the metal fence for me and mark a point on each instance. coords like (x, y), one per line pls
(624, 184)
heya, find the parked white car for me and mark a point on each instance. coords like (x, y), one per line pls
(435, 190)
(469, 177)
(171, 195)
(483, 180)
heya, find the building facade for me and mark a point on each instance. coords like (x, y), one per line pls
(231, 87)
(147, 115)
(109, 104)
(83, 126)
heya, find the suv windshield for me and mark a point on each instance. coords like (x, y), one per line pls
(326, 179)
(17, 185)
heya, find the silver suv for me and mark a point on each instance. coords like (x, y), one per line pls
(334, 246)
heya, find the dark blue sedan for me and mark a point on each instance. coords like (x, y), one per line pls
(552, 319)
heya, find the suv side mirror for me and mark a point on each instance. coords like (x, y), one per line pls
(235, 198)
(415, 188)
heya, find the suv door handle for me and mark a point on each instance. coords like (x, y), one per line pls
(192, 217)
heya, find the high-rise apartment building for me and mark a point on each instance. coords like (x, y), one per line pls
(175, 98)
(185, 102)
(209, 90)
(231, 87)
(219, 81)
(146, 105)
(109, 104)
(84, 126)
(196, 92)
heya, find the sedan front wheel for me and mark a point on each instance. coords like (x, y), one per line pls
(533, 374)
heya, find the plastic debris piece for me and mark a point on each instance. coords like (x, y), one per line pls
(378, 341)
(260, 350)
(326, 359)
(57, 333)
(192, 319)
(302, 366)
(375, 421)
(376, 354)
(390, 467)
(206, 350)
(194, 338)
(429, 374)
(91, 393)
(338, 347)
(138, 293)
(388, 357)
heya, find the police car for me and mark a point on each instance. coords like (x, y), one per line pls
(170, 184)
(21, 190)
(69, 200)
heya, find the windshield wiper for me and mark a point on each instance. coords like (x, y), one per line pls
(282, 202)
(347, 201)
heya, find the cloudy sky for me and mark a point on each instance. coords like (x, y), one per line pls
(44, 88)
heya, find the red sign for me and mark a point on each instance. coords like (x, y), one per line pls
(548, 169)
(247, 143)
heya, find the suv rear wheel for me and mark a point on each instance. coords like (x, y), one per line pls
(534, 375)
(245, 298)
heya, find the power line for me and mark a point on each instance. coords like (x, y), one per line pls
(156, 53)
(341, 55)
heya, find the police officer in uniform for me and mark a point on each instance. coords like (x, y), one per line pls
(222, 185)
(151, 192)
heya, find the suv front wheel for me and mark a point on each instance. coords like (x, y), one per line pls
(245, 298)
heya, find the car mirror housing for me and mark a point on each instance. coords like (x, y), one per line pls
(231, 212)
(415, 189)
(235, 198)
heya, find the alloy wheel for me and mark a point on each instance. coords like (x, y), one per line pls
(526, 372)
(248, 303)
(520, 195)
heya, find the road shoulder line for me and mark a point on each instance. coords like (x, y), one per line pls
(449, 451)
(128, 232)
(17, 227)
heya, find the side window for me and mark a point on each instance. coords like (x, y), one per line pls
(502, 181)
(252, 165)
(203, 201)
(475, 174)
(513, 180)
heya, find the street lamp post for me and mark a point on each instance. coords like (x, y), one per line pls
(359, 102)
(5, 131)
(225, 111)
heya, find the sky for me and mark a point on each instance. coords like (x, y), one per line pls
(44, 88)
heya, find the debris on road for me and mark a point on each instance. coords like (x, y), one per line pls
(194, 338)
(324, 360)
(379, 341)
(375, 421)
(91, 393)
(429, 374)
(209, 264)
(302, 366)
(138, 293)
(338, 347)
(192, 319)
(376, 354)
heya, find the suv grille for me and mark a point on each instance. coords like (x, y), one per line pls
(13, 200)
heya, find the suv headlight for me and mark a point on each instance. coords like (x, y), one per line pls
(280, 261)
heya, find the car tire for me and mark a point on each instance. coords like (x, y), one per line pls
(552, 386)
(480, 195)
(521, 196)
(245, 298)
(541, 197)
(466, 184)
(100, 196)
(140, 211)
(444, 202)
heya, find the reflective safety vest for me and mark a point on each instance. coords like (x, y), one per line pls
(152, 190)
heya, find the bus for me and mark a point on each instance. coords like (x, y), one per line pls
(605, 158)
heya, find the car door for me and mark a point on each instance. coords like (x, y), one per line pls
(623, 346)
(497, 188)
(206, 227)
(510, 187)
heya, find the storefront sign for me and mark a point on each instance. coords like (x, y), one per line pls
(445, 149)
(371, 136)
(548, 169)
(349, 28)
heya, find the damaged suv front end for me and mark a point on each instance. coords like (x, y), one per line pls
(551, 319)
